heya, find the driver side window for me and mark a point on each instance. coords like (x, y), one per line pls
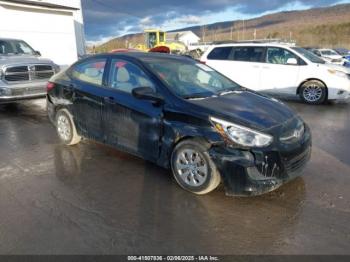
(280, 56)
(125, 76)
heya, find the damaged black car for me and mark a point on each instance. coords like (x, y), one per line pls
(181, 115)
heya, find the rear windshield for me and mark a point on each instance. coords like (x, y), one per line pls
(328, 52)
(15, 47)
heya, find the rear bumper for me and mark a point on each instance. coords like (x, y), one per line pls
(22, 91)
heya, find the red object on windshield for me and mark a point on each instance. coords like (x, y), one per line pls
(120, 64)
(160, 49)
(99, 65)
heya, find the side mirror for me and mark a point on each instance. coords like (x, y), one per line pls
(147, 93)
(292, 61)
(37, 53)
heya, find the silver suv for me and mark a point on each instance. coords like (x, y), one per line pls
(23, 73)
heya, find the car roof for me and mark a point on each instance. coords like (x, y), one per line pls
(272, 44)
(142, 56)
(10, 39)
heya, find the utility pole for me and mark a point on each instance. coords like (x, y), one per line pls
(203, 33)
(238, 32)
(255, 34)
(243, 33)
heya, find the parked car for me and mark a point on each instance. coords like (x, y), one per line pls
(342, 51)
(181, 115)
(330, 56)
(23, 73)
(345, 53)
(280, 69)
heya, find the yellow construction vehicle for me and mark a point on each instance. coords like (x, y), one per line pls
(157, 38)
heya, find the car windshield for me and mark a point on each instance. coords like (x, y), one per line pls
(309, 55)
(328, 52)
(15, 47)
(191, 79)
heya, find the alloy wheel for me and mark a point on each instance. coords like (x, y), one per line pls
(191, 167)
(64, 128)
(312, 93)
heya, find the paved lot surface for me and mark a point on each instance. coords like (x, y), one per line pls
(91, 199)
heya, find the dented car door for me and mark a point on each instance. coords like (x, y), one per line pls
(86, 85)
(129, 123)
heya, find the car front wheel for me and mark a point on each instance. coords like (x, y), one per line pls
(313, 92)
(66, 129)
(193, 168)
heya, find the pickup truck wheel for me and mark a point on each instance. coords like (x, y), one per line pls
(66, 129)
(313, 92)
(193, 168)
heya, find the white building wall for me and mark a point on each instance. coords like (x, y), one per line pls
(57, 34)
(79, 21)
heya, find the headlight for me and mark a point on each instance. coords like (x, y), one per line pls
(241, 135)
(338, 73)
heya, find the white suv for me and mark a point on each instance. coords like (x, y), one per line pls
(280, 69)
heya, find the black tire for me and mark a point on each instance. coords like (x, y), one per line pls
(209, 182)
(69, 136)
(313, 92)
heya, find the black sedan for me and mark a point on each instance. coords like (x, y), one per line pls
(181, 115)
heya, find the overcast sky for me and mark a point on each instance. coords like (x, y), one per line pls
(105, 19)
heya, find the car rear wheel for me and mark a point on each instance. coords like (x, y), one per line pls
(193, 168)
(313, 92)
(66, 129)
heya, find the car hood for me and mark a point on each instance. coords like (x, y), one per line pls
(337, 67)
(22, 59)
(247, 108)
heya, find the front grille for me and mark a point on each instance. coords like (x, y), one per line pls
(43, 68)
(17, 77)
(43, 75)
(28, 73)
(297, 162)
(17, 69)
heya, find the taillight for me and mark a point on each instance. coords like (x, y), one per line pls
(50, 86)
(203, 62)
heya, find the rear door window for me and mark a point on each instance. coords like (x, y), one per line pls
(248, 54)
(90, 71)
(220, 53)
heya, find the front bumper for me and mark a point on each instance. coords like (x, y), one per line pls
(256, 172)
(22, 91)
